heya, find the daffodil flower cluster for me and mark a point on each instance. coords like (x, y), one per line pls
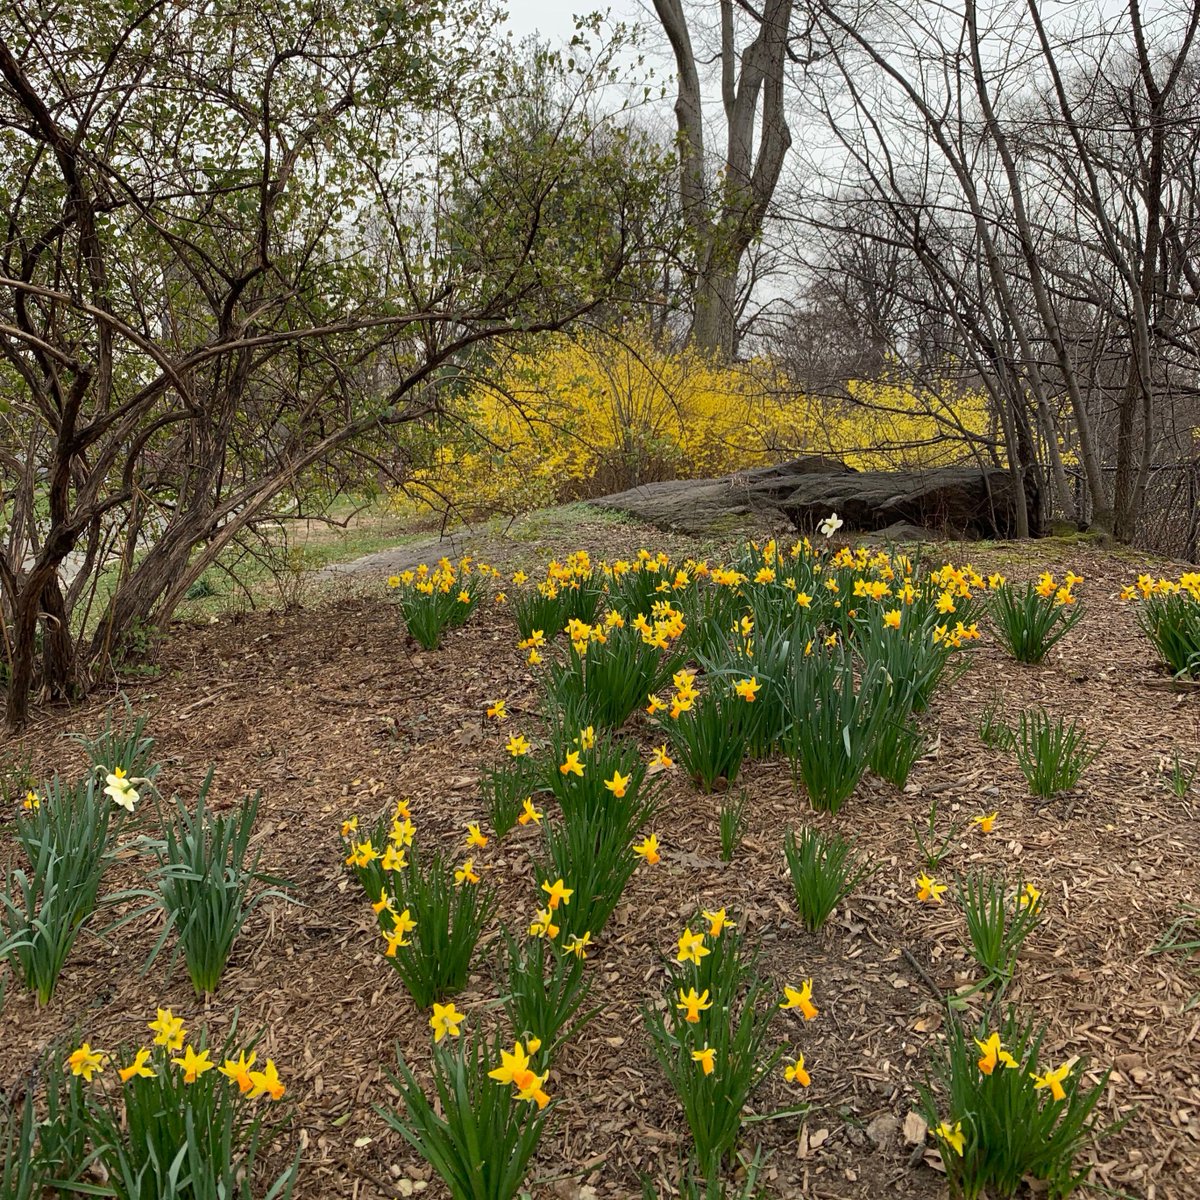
(170, 1048)
(433, 600)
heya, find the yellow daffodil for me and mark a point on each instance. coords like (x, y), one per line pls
(393, 581)
(952, 1136)
(684, 681)
(557, 893)
(475, 837)
(466, 873)
(511, 1063)
(395, 941)
(497, 711)
(801, 999)
(446, 1019)
(529, 813)
(985, 822)
(238, 1071)
(692, 1005)
(266, 1083)
(795, 1072)
(691, 947)
(137, 1068)
(661, 759)
(587, 738)
(706, 1057)
(578, 945)
(362, 854)
(86, 1062)
(618, 784)
(891, 618)
(1030, 896)
(168, 1030)
(647, 848)
(717, 922)
(993, 1055)
(193, 1064)
(393, 859)
(31, 802)
(543, 924)
(572, 766)
(655, 705)
(747, 689)
(803, 599)
(517, 745)
(1053, 1080)
(929, 891)
(515, 1070)
(384, 901)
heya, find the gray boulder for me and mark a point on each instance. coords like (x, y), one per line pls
(960, 501)
(966, 501)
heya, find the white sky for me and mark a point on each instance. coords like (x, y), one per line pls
(554, 19)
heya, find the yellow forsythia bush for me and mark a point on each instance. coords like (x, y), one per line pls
(570, 417)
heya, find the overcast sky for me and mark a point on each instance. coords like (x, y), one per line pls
(554, 18)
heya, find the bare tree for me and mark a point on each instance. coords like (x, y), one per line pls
(725, 205)
(242, 243)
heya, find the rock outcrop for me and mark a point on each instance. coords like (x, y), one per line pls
(954, 501)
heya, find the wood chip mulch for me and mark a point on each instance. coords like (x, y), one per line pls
(329, 713)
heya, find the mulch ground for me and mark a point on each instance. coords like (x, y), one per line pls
(330, 713)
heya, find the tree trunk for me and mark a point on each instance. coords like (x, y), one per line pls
(713, 326)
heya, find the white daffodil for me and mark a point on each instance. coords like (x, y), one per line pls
(830, 525)
(121, 789)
